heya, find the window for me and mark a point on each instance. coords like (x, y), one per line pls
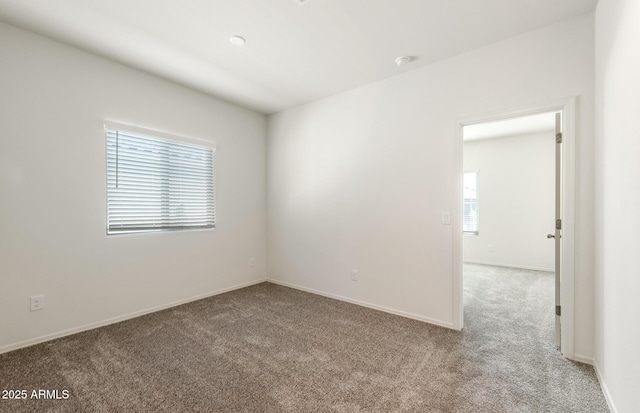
(470, 205)
(157, 184)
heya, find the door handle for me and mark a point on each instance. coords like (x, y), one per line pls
(550, 236)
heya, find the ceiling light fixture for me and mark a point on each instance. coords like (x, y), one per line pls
(301, 2)
(237, 40)
(403, 60)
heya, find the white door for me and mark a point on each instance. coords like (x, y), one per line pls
(557, 235)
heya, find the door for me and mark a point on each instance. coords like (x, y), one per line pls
(557, 235)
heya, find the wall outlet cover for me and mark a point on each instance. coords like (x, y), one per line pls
(37, 302)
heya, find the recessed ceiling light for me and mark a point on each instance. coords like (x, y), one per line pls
(403, 60)
(237, 40)
(302, 2)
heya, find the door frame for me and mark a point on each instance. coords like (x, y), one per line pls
(567, 275)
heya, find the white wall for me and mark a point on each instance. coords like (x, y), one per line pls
(358, 180)
(617, 218)
(53, 102)
(516, 200)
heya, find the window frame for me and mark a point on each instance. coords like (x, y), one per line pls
(159, 136)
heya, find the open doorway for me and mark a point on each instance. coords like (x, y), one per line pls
(509, 234)
(508, 205)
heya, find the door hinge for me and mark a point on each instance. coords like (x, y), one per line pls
(559, 137)
(558, 224)
(558, 310)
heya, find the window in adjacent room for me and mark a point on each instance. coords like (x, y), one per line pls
(157, 182)
(470, 206)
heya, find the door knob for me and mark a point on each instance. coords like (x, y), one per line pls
(550, 236)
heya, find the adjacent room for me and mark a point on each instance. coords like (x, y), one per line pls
(509, 184)
(319, 205)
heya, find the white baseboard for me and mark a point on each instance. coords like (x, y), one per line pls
(583, 359)
(91, 326)
(605, 390)
(500, 264)
(364, 304)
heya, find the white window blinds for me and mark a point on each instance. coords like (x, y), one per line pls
(157, 184)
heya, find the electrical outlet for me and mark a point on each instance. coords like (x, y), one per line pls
(354, 275)
(492, 248)
(37, 302)
(252, 262)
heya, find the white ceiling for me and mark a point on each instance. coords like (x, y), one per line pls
(542, 122)
(294, 54)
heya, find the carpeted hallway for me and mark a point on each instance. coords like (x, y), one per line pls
(269, 348)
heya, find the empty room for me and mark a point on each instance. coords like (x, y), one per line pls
(319, 205)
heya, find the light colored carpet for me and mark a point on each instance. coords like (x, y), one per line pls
(269, 348)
